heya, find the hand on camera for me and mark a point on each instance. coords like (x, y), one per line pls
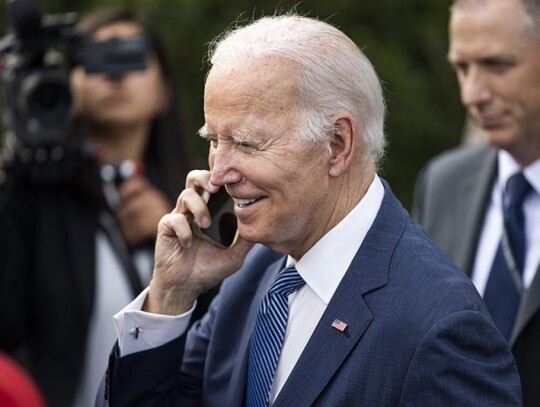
(141, 207)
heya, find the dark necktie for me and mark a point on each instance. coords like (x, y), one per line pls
(267, 337)
(504, 286)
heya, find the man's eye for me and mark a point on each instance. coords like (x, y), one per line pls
(248, 148)
(498, 66)
(461, 68)
(243, 144)
(213, 143)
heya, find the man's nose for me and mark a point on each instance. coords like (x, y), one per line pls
(223, 166)
(475, 89)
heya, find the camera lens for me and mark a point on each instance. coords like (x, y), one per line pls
(45, 104)
(48, 103)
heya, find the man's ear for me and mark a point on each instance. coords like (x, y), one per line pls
(343, 139)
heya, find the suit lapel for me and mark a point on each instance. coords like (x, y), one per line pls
(328, 347)
(237, 388)
(474, 193)
(530, 305)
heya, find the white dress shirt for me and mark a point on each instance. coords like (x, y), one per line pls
(322, 268)
(493, 223)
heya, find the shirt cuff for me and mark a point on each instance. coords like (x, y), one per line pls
(139, 330)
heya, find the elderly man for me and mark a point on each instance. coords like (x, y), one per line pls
(342, 300)
(494, 236)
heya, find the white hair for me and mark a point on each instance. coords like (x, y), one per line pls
(334, 76)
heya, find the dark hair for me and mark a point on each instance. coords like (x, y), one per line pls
(166, 158)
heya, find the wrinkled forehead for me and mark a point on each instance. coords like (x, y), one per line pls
(458, 5)
(264, 80)
(257, 97)
(523, 12)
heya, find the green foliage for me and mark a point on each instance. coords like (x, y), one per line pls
(405, 39)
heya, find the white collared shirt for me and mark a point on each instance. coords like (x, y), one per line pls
(322, 268)
(493, 224)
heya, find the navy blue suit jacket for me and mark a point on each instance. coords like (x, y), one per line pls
(418, 334)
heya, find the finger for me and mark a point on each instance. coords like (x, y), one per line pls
(199, 180)
(176, 225)
(130, 234)
(132, 187)
(239, 249)
(190, 203)
(139, 229)
(149, 204)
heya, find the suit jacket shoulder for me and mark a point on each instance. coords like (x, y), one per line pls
(451, 196)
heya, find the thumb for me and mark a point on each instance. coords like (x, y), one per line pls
(240, 249)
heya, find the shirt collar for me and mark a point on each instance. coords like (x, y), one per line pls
(323, 266)
(508, 167)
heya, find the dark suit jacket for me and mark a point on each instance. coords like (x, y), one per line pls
(47, 280)
(418, 334)
(451, 199)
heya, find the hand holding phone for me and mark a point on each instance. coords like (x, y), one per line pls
(223, 230)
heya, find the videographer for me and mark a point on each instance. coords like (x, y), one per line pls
(76, 236)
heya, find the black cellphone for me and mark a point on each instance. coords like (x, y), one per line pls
(223, 230)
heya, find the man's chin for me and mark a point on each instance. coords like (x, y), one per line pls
(251, 233)
(501, 138)
(264, 237)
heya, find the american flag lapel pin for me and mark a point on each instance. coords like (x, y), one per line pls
(339, 325)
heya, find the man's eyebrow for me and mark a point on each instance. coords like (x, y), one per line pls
(205, 133)
(242, 138)
(452, 58)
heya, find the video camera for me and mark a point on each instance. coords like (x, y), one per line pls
(37, 56)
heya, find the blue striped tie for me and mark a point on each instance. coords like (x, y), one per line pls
(267, 337)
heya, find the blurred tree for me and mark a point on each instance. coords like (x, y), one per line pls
(405, 39)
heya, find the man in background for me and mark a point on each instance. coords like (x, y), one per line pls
(481, 204)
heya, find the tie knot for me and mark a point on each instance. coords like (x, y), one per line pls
(287, 281)
(517, 188)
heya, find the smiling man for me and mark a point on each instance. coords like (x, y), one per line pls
(332, 295)
(481, 204)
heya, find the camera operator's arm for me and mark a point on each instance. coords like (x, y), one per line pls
(141, 207)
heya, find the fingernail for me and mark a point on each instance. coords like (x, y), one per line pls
(205, 222)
